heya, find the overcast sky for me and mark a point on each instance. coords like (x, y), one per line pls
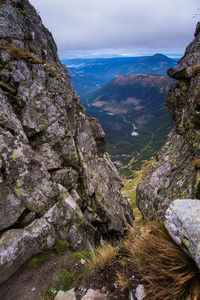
(119, 26)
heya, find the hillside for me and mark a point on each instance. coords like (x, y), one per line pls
(131, 111)
(88, 75)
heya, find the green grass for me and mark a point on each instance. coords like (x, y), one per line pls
(86, 255)
(49, 294)
(38, 260)
(66, 280)
(61, 246)
(129, 189)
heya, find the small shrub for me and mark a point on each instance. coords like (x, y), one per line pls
(66, 280)
(102, 256)
(168, 271)
(38, 260)
(61, 246)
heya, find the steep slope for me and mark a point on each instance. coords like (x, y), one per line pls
(131, 111)
(176, 174)
(94, 73)
(53, 156)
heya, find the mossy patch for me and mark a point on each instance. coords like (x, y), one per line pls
(61, 246)
(38, 260)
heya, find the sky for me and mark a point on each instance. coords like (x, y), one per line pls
(98, 28)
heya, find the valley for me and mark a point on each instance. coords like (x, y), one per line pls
(130, 107)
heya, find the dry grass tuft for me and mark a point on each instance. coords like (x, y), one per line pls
(197, 96)
(195, 70)
(18, 53)
(168, 271)
(196, 163)
(123, 281)
(52, 73)
(102, 256)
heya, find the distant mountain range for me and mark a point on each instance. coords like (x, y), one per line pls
(132, 112)
(88, 75)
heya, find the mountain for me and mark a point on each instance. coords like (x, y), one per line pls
(52, 155)
(131, 111)
(88, 75)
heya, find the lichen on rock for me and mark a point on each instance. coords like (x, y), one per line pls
(182, 220)
(55, 179)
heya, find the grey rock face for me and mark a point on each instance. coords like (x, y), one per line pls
(176, 174)
(182, 221)
(56, 181)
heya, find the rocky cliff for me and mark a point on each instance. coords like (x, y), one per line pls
(176, 173)
(56, 181)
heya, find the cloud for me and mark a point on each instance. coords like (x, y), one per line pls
(90, 24)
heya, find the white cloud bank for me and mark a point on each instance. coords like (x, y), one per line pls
(140, 24)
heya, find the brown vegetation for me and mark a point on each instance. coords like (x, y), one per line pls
(196, 163)
(102, 256)
(197, 96)
(195, 70)
(168, 271)
(17, 53)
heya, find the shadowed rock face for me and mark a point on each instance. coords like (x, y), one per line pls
(176, 173)
(56, 181)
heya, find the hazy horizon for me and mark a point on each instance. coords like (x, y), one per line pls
(91, 28)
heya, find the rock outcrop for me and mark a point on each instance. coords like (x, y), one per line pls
(56, 181)
(182, 221)
(176, 173)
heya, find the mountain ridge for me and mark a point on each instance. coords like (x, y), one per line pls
(94, 73)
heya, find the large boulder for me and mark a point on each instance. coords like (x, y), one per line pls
(182, 221)
(56, 181)
(175, 174)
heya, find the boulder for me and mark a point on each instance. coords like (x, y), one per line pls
(182, 220)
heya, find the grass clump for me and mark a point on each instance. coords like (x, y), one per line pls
(52, 73)
(66, 280)
(195, 70)
(18, 53)
(61, 246)
(102, 256)
(86, 255)
(196, 163)
(38, 260)
(49, 294)
(169, 273)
